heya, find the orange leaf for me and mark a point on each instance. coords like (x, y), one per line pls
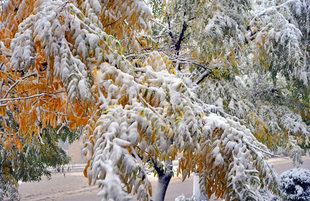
(85, 169)
(8, 145)
(72, 126)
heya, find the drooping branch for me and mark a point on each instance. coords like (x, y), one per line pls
(259, 149)
(271, 9)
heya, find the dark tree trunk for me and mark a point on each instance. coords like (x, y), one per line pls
(164, 177)
(162, 185)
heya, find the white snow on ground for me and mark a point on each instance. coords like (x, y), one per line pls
(75, 185)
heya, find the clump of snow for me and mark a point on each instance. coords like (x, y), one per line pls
(183, 198)
(6, 6)
(295, 184)
(84, 92)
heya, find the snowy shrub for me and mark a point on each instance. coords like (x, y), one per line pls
(267, 196)
(295, 184)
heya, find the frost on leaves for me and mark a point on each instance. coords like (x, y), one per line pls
(160, 120)
(63, 68)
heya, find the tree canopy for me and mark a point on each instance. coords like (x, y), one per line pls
(145, 81)
(249, 58)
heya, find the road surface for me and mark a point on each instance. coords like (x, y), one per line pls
(74, 187)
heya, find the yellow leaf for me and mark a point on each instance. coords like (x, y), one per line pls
(181, 114)
(105, 112)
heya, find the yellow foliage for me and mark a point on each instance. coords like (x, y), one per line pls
(39, 94)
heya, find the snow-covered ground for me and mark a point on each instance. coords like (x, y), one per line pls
(73, 186)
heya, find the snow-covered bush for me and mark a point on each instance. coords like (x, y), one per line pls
(295, 184)
(266, 196)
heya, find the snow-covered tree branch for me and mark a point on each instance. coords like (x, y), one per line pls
(95, 66)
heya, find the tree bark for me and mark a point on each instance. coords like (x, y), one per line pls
(164, 178)
(162, 185)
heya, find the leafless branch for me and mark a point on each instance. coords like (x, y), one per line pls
(181, 38)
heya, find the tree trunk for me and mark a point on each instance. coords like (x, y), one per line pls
(162, 185)
(164, 177)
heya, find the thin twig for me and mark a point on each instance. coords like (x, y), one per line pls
(132, 54)
(110, 24)
(18, 81)
(29, 97)
(56, 113)
(63, 6)
(1, 86)
(259, 149)
(149, 106)
(62, 125)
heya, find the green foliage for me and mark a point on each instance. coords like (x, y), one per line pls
(103, 76)
(157, 7)
(32, 162)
